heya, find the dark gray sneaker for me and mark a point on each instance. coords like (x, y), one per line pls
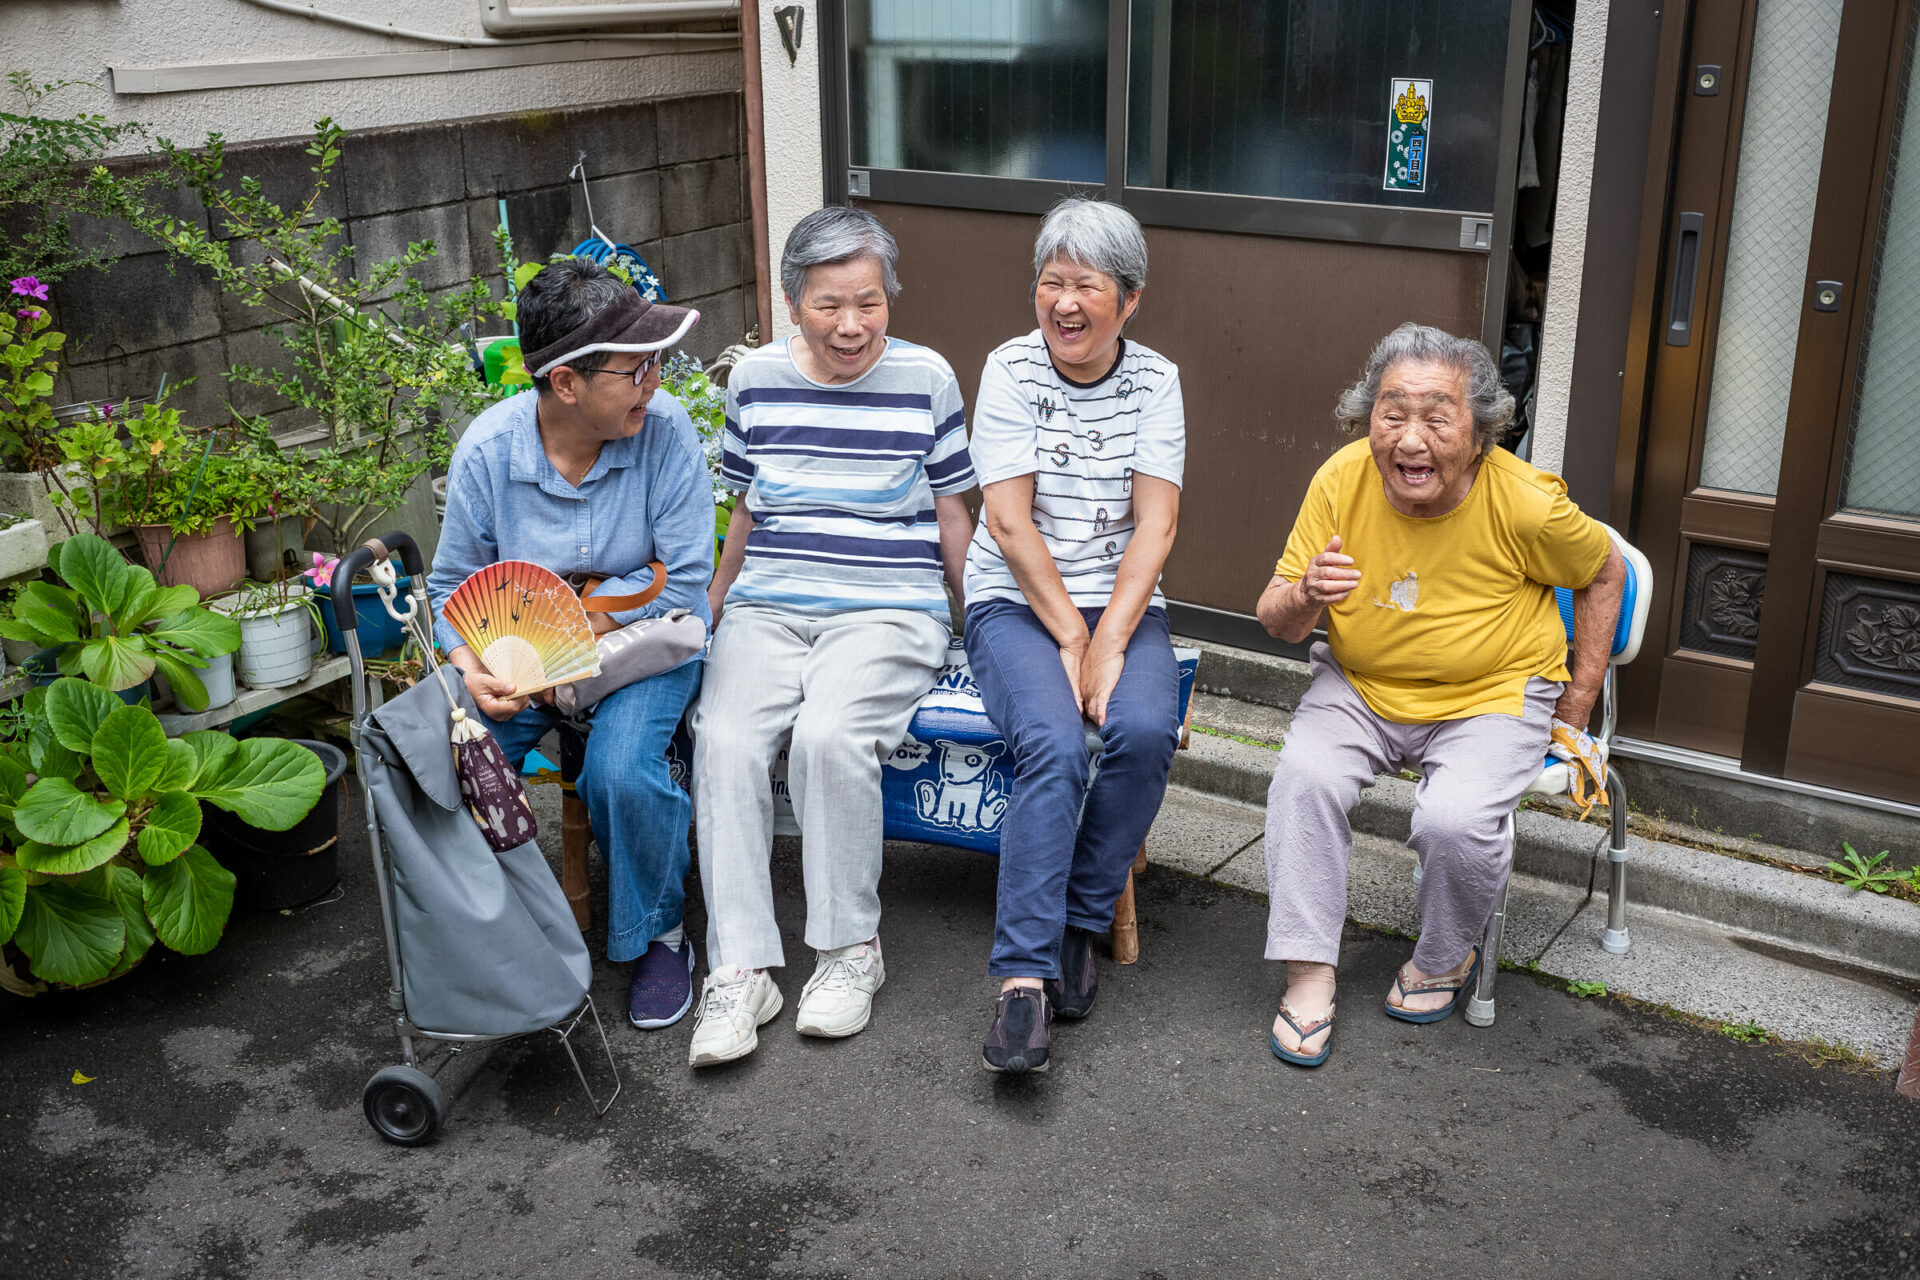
(1073, 991)
(1018, 1040)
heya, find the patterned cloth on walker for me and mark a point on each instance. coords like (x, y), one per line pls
(949, 781)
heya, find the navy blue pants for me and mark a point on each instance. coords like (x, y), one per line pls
(1065, 846)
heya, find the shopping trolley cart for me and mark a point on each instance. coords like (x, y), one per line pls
(481, 946)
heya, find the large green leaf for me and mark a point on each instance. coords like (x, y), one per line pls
(188, 689)
(49, 757)
(116, 663)
(172, 825)
(75, 710)
(69, 860)
(150, 602)
(48, 609)
(13, 781)
(207, 633)
(268, 783)
(54, 811)
(68, 934)
(13, 894)
(189, 901)
(92, 567)
(123, 886)
(214, 750)
(183, 762)
(129, 751)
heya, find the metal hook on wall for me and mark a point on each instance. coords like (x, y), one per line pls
(579, 171)
(792, 20)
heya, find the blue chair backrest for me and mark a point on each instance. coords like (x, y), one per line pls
(1622, 628)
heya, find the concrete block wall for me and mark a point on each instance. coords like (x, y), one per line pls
(667, 177)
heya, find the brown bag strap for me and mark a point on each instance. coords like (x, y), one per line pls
(615, 604)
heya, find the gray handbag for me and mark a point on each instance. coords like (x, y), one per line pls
(634, 652)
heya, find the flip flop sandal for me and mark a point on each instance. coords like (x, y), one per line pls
(1301, 1059)
(1445, 1011)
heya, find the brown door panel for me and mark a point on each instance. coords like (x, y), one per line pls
(1703, 704)
(1267, 333)
(1854, 744)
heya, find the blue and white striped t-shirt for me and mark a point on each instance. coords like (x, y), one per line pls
(841, 478)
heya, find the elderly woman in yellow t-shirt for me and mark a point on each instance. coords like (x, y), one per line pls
(1429, 554)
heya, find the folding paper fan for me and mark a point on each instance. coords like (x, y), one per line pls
(526, 624)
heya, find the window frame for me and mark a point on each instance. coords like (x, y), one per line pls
(1449, 230)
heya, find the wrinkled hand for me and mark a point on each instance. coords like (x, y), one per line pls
(1330, 576)
(494, 695)
(1099, 673)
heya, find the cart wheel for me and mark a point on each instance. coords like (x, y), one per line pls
(404, 1105)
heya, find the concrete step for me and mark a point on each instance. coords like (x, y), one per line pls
(1696, 966)
(1798, 910)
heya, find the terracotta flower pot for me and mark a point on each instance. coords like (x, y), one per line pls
(209, 562)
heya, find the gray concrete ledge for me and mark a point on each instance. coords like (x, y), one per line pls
(1260, 678)
(1799, 910)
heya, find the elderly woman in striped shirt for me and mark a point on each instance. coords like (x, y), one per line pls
(851, 446)
(1079, 438)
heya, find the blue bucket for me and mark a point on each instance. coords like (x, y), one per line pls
(376, 628)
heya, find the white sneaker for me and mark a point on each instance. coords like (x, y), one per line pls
(734, 1002)
(838, 998)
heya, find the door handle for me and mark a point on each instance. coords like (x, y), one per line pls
(1686, 274)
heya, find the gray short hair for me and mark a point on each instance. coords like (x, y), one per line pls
(837, 234)
(1099, 236)
(1490, 402)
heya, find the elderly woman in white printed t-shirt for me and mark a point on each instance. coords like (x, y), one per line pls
(1078, 441)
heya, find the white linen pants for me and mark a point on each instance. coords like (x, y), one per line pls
(843, 688)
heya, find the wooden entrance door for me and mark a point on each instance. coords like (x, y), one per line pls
(1779, 489)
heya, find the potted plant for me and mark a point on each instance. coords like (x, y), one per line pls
(100, 818)
(45, 158)
(187, 495)
(113, 624)
(278, 867)
(371, 355)
(277, 622)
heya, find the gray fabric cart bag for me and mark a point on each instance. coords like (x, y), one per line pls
(488, 944)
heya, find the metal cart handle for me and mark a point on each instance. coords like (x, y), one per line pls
(357, 561)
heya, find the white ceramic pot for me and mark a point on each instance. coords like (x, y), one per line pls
(276, 648)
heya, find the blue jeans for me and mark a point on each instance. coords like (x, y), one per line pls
(1065, 847)
(639, 813)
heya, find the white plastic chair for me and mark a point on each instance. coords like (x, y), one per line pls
(1635, 599)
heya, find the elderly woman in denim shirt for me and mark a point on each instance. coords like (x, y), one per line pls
(597, 470)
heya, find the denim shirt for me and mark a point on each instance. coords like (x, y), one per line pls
(646, 498)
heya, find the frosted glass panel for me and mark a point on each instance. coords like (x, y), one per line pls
(1794, 43)
(1883, 459)
(1008, 88)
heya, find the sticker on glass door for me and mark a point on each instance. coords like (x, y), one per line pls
(1409, 130)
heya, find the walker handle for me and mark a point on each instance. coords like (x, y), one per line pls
(358, 560)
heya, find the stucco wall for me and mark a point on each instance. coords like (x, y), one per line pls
(793, 136)
(1560, 327)
(80, 39)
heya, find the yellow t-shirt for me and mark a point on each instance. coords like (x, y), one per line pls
(1453, 613)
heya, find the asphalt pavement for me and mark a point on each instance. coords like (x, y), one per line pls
(221, 1132)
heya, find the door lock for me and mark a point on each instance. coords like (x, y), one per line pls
(1826, 295)
(1706, 81)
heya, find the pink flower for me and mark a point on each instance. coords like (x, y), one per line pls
(29, 313)
(29, 287)
(322, 572)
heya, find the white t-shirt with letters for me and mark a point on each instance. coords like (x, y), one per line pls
(1083, 443)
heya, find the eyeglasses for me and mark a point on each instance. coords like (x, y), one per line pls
(640, 371)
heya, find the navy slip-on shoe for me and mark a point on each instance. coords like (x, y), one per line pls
(662, 989)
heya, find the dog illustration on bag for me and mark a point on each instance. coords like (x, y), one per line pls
(967, 796)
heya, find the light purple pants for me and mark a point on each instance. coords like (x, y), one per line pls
(1475, 770)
